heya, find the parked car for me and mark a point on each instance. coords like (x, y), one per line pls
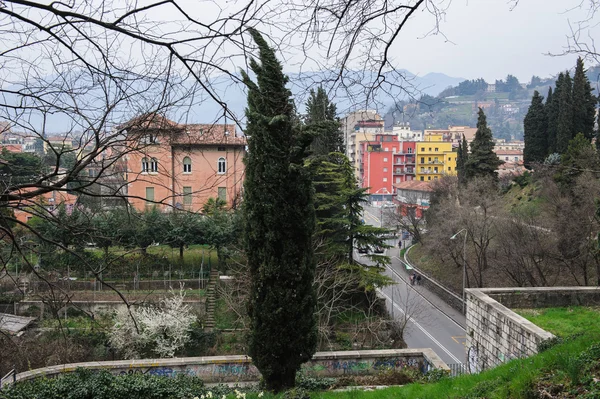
(378, 250)
(363, 249)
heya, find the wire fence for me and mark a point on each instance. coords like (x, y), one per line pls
(458, 369)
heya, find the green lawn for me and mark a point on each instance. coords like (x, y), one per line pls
(564, 321)
(567, 369)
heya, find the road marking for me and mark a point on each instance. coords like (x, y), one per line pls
(422, 296)
(372, 216)
(461, 339)
(422, 329)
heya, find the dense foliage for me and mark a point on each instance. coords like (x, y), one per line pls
(87, 384)
(569, 109)
(482, 161)
(279, 221)
(536, 125)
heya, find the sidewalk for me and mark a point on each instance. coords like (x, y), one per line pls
(398, 267)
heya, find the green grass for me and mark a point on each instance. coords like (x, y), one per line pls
(564, 321)
(351, 316)
(225, 318)
(516, 379)
(568, 367)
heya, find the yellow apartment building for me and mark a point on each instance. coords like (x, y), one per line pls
(435, 158)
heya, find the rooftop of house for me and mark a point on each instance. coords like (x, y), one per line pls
(185, 134)
(508, 152)
(414, 185)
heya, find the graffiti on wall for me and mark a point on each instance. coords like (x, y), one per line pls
(336, 367)
(217, 371)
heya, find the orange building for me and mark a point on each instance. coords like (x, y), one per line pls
(42, 205)
(182, 165)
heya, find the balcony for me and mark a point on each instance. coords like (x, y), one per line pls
(434, 162)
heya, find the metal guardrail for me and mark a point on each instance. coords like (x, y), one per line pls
(458, 369)
(9, 378)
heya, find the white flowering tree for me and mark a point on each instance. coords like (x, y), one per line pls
(162, 329)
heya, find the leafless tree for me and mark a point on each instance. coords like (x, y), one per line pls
(573, 217)
(525, 250)
(407, 218)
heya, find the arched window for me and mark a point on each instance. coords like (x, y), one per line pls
(187, 165)
(154, 165)
(144, 164)
(222, 165)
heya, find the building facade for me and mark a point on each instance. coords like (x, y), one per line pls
(385, 161)
(413, 197)
(454, 134)
(182, 166)
(404, 132)
(435, 158)
(361, 125)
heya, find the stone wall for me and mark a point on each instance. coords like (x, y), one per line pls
(496, 334)
(91, 285)
(240, 368)
(545, 297)
(96, 307)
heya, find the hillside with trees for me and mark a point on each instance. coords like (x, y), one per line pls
(569, 110)
(506, 105)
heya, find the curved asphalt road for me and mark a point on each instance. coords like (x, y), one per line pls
(430, 322)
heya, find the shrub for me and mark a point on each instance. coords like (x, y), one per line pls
(162, 330)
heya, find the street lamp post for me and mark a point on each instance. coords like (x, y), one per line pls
(464, 267)
(384, 191)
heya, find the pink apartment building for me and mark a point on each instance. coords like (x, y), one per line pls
(386, 161)
(183, 165)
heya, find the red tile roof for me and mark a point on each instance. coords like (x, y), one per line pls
(414, 185)
(186, 134)
(509, 152)
(209, 134)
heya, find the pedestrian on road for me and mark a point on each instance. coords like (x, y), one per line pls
(413, 279)
(418, 279)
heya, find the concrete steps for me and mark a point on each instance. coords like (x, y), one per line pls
(211, 300)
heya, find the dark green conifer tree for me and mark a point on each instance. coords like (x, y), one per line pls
(461, 159)
(535, 127)
(322, 124)
(552, 104)
(482, 161)
(584, 103)
(279, 220)
(564, 123)
(598, 136)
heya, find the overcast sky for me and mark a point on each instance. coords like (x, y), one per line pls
(490, 40)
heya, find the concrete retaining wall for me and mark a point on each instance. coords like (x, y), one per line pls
(240, 368)
(545, 297)
(91, 285)
(496, 334)
(97, 307)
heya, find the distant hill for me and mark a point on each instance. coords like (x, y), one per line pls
(349, 94)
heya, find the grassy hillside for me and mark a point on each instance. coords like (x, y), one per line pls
(569, 369)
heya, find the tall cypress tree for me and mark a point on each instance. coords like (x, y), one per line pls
(322, 124)
(461, 159)
(552, 105)
(483, 161)
(598, 139)
(564, 123)
(584, 103)
(279, 220)
(535, 125)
